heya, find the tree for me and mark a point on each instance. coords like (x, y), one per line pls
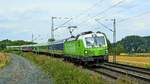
(120, 49)
(51, 40)
(7, 42)
(132, 43)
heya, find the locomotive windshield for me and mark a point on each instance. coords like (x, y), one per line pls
(95, 41)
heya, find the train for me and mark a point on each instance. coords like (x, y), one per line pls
(86, 47)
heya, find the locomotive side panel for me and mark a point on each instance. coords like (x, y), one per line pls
(74, 48)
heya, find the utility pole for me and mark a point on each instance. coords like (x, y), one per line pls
(114, 39)
(52, 28)
(55, 28)
(32, 37)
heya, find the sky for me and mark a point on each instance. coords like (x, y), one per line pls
(19, 19)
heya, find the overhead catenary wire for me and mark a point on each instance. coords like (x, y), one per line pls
(103, 25)
(87, 10)
(110, 8)
(93, 16)
(135, 5)
(128, 18)
(122, 19)
(63, 24)
(105, 10)
(147, 12)
(113, 7)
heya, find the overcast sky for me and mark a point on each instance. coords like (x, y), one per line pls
(20, 18)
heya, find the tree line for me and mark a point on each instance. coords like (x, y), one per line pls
(7, 42)
(131, 44)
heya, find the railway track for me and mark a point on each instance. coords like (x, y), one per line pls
(117, 71)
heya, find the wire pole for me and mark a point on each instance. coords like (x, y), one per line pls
(55, 28)
(114, 39)
(32, 38)
(52, 33)
(52, 28)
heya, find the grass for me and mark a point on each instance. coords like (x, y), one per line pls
(4, 59)
(63, 72)
(138, 61)
(66, 73)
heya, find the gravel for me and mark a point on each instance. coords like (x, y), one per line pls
(22, 71)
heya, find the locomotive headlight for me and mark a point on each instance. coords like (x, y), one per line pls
(106, 51)
(85, 52)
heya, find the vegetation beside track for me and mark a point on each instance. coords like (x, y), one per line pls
(138, 61)
(63, 72)
(4, 59)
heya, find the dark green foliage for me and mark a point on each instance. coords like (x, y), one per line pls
(51, 40)
(109, 44)
(119, 49)
(132, 44)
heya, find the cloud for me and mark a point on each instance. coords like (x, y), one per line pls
(22, 18)
(7, 26)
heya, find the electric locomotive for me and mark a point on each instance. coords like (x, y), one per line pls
(87, 47)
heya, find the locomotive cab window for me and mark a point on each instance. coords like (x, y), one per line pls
(89, 41)
(100, 41)
(97, 41)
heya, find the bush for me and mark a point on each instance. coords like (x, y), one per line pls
(4, 59)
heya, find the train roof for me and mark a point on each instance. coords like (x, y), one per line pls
(49, 43)
(81, 34)
(39, 44)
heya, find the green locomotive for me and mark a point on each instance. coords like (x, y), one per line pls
(85, 47)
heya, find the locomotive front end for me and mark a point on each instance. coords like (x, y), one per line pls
(95, 47)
